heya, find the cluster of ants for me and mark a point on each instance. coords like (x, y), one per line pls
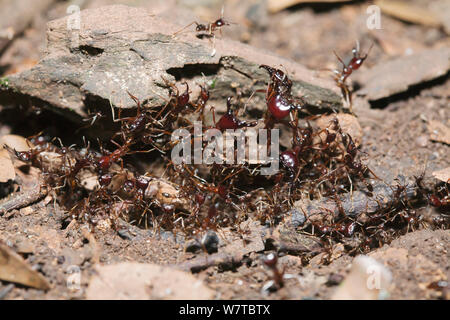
(193, 198)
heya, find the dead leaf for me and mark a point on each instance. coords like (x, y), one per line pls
(137, 281)
(14, 269)
(347, 122)
(443, 175)
(16, 142)
(410, 12)
(397, 75)
(439, 132)
(7, 171)
(277, 5)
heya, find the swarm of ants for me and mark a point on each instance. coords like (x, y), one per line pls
(193, 198)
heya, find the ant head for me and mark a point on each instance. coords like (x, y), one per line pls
(270, 260)
(220, 22)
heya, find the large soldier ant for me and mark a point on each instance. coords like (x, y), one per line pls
(279, 99)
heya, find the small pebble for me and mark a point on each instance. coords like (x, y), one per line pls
(422, 141)
(297, 218)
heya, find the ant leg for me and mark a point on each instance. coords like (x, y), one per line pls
(248, 100)
(119, 119)
(185, 27)
(137, 101)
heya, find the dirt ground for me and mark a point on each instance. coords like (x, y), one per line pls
(396, 141)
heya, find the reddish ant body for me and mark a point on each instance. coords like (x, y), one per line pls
(104, 162)
(347, 69)
(178, 102)
(279, 99)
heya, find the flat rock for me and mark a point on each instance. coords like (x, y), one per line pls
(120, 48)
(137, 281)
(398, 75)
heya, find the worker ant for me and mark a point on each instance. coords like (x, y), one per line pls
(347, 69)
(277, 281)
(208, 30)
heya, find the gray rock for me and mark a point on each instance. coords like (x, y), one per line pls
(120, 48)
(297, 217)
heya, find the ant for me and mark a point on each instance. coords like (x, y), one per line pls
(104, 162)
(230, 121)
(439, 199)
(202, 99)
(271, 261)
(133, 125)
(347, 69)
(355, 166)
(176, 100)
(208, 30)
(279, 99)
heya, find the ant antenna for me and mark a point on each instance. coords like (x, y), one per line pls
(339, 58)
(368, 51)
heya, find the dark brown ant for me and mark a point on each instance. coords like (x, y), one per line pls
(177, 101)
(279, 81)
(354, 165)
(208, 30)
